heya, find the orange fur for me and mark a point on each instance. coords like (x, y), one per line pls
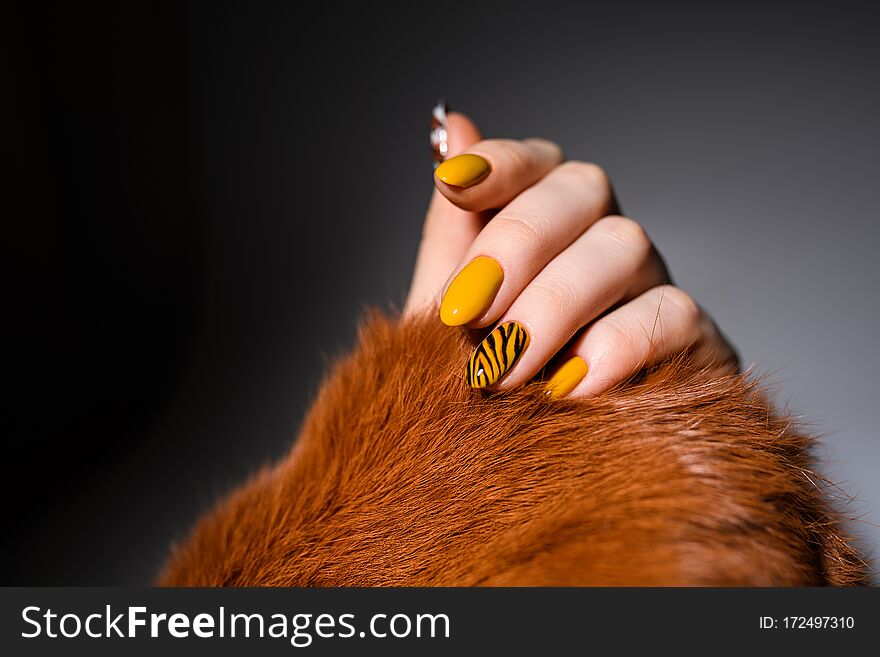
(402, 475)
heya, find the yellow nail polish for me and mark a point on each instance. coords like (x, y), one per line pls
(496, 355)
(463, 170)
(567, 377)
(471, 291)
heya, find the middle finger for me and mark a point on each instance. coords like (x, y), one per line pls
(521, 239)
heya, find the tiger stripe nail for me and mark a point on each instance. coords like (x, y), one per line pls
(496, 355)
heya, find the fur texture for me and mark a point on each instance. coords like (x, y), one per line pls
(404, 476)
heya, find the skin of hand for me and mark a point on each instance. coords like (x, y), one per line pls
(516, 237)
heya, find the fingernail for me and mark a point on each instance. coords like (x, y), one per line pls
(471, 291)
(439, 132)
(496, 355)
(567, 377)
(463, 170)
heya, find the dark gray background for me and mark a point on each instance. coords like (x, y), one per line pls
(215, 191)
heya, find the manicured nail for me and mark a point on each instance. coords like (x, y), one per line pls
(439, 133)
(463, 170)
(471, 291)
(496, 355)
(567, 377)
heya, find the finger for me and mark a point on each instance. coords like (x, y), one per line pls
(612, 262)
(493, 172)
(521, 239)
(447, 232)
(660, 323)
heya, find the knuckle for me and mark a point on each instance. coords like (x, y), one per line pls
(518, 157)
(540, 142)
(558, 298)
(587, 173)
(490, 146)
(527, 231)
(682, 303)
(611, 334)
(611, 343)
(628, 233)
(554, 149)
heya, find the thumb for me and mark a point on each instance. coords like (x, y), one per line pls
(448, 231)
(462, 133)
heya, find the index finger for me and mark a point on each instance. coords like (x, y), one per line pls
(493, 172)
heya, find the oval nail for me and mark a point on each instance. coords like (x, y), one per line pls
(496, 354)
(567, 377)
(464, 170)
(471, 291)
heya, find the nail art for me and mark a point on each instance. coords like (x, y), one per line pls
(567, 377)
(463, 170)
(471, 291)
(439, 132)
(496, 355)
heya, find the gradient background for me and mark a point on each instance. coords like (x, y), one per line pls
(210, 194)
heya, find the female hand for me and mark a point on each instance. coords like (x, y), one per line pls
(519, 239)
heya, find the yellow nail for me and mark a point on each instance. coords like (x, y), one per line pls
(496, 355)
(471, 291)
(463, 170)
(567, 377)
